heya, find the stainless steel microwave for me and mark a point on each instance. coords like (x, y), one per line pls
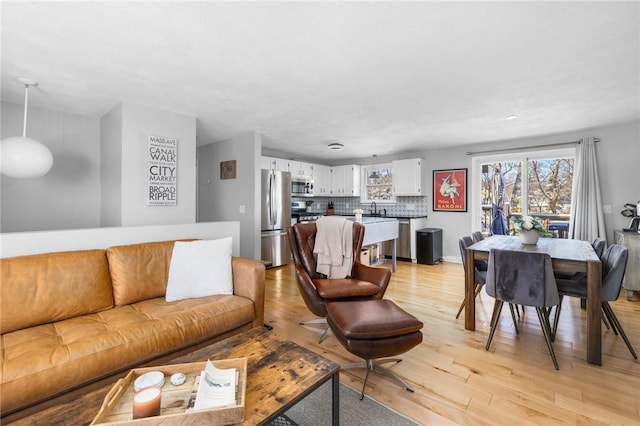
(301, 187)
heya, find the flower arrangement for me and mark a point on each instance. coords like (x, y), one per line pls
(358, 213)
(528, 223)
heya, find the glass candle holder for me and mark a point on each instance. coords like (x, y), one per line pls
(146, 402)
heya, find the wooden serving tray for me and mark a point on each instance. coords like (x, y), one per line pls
(116, 408)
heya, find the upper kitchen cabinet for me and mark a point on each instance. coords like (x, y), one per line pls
(345, 181)
(408, 177)
(301, 170)
(321, 180)
(272, 163)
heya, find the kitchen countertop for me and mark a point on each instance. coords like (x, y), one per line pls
(389, 216)
(373, 219)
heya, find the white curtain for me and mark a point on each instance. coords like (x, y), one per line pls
(587, 218)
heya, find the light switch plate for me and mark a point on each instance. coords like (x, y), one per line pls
(242, 209)
(606, 209)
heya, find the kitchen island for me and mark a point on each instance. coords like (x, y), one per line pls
(379, 229)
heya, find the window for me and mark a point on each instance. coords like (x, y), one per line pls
(531, 183)
(377, 183)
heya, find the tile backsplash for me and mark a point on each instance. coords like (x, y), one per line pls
(404, 206)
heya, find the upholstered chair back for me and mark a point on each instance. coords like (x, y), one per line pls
(614, 263)
(302, 239)
(598, 246)
(523, 278)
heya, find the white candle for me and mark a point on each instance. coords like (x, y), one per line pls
(146, 403)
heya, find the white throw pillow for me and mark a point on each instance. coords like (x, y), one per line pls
(200, 268)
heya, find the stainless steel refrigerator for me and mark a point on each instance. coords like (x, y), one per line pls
(276, 217)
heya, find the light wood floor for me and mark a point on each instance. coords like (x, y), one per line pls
(457, 382)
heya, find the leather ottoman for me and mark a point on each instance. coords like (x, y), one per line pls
(373, 330)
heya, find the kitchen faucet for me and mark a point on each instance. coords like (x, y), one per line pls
(374, 208)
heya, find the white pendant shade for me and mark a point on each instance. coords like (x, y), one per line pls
(22, 158)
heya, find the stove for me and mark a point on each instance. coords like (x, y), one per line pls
(309, 217)
(300, 213)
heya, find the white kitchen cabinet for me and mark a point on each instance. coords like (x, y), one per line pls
(345, 181)
(272, 163)
(408, 177)
(265, 163)
(321, 180)
(301, 169)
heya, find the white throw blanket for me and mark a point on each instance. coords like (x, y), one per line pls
(333, 247)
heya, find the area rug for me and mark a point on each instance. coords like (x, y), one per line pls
(315, 410)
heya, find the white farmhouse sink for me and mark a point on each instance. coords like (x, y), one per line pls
(379, 229)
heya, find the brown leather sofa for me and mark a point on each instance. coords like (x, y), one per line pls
(72, 318)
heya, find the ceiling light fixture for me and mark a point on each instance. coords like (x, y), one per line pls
(22, 157)
(511, 117)
(335, 146)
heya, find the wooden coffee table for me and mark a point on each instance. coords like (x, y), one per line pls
(280, 373)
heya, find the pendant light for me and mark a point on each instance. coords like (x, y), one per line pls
(374, 172)
(22, 157)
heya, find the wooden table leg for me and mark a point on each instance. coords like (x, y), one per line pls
(469, 291)
(335, 399)
(594, 302)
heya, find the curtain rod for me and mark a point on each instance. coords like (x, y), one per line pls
(495, 151)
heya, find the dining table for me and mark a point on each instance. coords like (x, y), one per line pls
(567, 256)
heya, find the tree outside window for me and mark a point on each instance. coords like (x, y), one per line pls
(378, 183)
(546, 189)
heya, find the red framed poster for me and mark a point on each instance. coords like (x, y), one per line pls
(450, 190)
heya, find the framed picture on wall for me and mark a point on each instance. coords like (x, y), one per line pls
(450, 190)
(228, 169)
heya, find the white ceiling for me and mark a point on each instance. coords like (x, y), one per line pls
(380, 77)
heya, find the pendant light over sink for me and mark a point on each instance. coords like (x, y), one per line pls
(374, 172)
(22, 157)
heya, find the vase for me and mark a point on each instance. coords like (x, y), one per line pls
(529, 237)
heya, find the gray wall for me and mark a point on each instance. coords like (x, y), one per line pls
(125, 131)
(618, 154)
(138, 123)
(98, 176)
(111, 167)
(69, 195)
(232, 199)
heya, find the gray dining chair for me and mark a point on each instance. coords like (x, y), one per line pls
(477, 236)
(480, 274)
(523, 278)
(598, 245)
(614, 263)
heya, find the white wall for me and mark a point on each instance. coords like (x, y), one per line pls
(232, 199)
(69, 195)
(26, 243)
(138, 122)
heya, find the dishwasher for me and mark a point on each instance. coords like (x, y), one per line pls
(404, 241)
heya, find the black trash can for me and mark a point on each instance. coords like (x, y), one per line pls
(429, 246)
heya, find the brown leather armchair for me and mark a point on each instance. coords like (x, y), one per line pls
(364, 283)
